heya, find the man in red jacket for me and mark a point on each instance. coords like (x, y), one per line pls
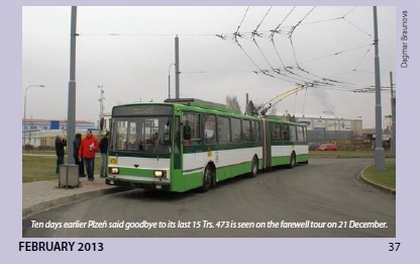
(87, 150)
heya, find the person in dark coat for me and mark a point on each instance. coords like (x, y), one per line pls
(103, 147)
(60, 143)
(76, 145)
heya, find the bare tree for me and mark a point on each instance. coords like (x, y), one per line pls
(251, 109)
(232, 103)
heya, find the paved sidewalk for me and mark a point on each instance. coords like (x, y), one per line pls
(43, 195)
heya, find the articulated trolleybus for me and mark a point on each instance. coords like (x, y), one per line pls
(184, 144)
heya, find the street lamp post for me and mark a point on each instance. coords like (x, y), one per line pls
(24, 103)
(169, 80)
(358, 121)
(24, 108)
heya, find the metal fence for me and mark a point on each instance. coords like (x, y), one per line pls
(320, 136)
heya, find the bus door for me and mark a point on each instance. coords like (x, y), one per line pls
(266, 143)
(177, 178)
(177, 165)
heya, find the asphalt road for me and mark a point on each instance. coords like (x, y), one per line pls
(322, 199)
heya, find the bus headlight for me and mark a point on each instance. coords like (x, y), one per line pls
(159, 174)
(113, 170)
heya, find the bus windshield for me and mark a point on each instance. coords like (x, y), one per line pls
(144, 134)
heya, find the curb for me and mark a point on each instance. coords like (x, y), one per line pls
(374, 184)
(47, 205)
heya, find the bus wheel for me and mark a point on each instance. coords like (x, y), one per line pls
(207, 179)
(292, 163)
(254, 168)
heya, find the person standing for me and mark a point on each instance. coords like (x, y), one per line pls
(76, 145)
(87, 150)
(60, 143)
(103, 147)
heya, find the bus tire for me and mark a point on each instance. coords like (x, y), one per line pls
(254, 168)
(292, 163)
(208, 179)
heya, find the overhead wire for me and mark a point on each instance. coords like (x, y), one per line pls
(354, 25)
(238, 35)
(303, 76)
(276, 30)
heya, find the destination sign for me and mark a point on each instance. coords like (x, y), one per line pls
(145, 110)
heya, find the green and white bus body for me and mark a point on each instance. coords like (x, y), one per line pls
(285, 143)
(198, 145)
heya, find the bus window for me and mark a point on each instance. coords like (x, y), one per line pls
(223, 130)
(121, 136)
(191, 128)
(209, 129)
(247, 131)
(300, 134)
(177, 140)
(187, 130)
(275, 132)
(292, 133)
(256, 130)
(140, 134)
(167, 131)
(285, 132)
(236, 130)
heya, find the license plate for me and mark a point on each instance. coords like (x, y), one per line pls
(111, 182)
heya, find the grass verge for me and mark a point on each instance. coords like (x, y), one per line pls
(347, 154)
(42, 168)
(385, 178)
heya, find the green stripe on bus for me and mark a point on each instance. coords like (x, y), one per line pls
(205, 148)
(136, 172)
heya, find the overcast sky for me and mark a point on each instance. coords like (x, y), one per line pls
(128, 51)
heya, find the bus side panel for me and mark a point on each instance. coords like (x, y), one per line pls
(303, 158)
(235, 162)
(193, 168)
(177, 181)
(281, 154)
(302, 153)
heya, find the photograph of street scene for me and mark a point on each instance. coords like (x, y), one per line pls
(216, 121)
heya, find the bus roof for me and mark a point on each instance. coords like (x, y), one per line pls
(207, 105)
(202, 104)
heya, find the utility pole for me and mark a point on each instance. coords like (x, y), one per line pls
(101, 102)
(101, 108)
(247, 111)
(177, 67)
(393, 114)
(379, 150)
(169, 80)
(71, 114)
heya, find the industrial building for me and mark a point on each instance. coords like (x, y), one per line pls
(38, 133)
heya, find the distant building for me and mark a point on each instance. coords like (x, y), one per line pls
(48, 124)
(42, 132)
(322, 129)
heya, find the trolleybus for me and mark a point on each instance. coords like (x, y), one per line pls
(184, 144)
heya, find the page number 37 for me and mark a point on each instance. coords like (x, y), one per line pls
(393, 246)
